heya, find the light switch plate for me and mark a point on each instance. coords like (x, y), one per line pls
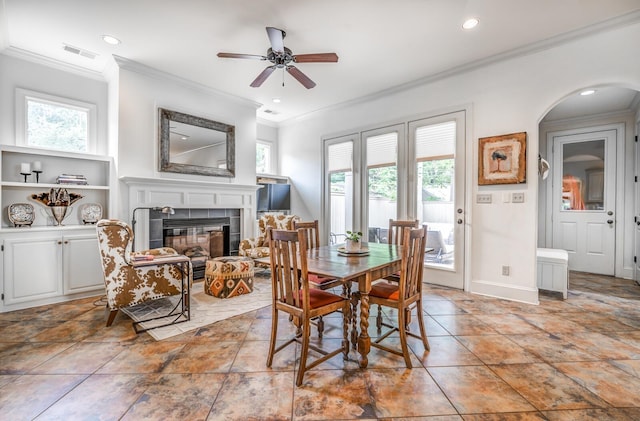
(483, 198)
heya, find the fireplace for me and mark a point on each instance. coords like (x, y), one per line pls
(197, 233)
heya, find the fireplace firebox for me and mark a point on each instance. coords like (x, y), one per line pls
(198, 239)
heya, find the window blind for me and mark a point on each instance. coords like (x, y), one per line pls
(340, 157)
(436, 140)
(382, 150)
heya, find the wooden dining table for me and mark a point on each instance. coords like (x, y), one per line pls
(380, 261)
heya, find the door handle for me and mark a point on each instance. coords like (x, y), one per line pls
(459, 220)
(610, 213)
(610, 221)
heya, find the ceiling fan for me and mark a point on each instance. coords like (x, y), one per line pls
(281, 57)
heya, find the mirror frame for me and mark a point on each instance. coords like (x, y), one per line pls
(166, 116)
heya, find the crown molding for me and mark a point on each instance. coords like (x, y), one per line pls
(535, 47)
(49, 62)
(142, 69)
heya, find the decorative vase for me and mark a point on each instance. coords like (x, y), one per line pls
(352, 245)
(59, 213)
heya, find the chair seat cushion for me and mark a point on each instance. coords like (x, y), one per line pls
(319, 280)
(385, 290)
(319, 298)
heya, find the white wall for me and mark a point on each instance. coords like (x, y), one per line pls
(505, 97)
(141, 91)
(20, 72)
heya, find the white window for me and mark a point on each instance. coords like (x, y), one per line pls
(263, 158)
(51, 122)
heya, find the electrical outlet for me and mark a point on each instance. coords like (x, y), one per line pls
(483, 198)
(517, 197)
(505, 270)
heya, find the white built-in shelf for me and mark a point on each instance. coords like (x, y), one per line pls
(99, 171)
(40, 186)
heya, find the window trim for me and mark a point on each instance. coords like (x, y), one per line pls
(25, 95)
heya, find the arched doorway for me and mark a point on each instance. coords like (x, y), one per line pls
(586, 205)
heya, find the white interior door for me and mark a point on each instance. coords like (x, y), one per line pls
(584, 190)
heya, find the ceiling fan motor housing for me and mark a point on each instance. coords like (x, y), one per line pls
(278, 58)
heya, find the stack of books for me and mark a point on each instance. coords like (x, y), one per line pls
(71, 179)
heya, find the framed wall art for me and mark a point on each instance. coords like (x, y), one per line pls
(502, 159)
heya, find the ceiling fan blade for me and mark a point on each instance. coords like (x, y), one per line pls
(316, 58)
(301, 77)
(276, 37)
(236, 55)
(262, 77)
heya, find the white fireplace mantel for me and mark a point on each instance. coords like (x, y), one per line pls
(193, 194)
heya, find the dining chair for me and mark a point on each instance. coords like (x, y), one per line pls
(315, 280)
(292, 294)
(394, 236)
(404, 294)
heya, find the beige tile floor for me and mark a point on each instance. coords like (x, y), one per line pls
(490, 359)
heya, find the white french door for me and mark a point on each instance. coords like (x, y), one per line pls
(437, 178)
(413, 170)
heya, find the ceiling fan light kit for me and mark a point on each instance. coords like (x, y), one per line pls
(281, 58)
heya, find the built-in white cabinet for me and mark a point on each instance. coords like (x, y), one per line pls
(45, 262)
(41, 267)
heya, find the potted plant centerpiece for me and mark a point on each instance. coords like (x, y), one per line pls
(352, 243)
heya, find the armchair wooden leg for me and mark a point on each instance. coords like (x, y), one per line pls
(112, 316)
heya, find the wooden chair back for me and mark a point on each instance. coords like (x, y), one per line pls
(396, 227)
(289, 275)
(311, 228)
(413, 247)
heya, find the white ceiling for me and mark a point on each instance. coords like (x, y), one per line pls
(381, 44)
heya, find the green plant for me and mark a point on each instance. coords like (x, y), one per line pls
(353, 235)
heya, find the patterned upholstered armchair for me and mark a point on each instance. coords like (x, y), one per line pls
(257, 247)
(127, 285)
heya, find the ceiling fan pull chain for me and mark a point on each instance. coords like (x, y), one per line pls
(283, 77)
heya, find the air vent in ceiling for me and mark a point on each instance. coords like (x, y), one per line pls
(270, 112)
(79, 51)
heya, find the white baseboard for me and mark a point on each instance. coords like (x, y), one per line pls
(505, 291)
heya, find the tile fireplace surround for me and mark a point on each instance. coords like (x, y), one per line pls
(195, 197)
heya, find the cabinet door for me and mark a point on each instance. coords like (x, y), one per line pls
(32, 268)
(82, 266)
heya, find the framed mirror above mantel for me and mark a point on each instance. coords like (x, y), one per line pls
(195, 145)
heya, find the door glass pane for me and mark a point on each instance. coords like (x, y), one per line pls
(382, 185)
(340, 158)
(435, 170)
(583, 176)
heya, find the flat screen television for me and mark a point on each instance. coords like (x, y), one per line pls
(274, 197)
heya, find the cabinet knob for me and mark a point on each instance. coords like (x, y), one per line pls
(66, 241)
(59, 242)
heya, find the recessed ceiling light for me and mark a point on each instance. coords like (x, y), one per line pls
(110, 40)
(277, 100)
(588, 92)
(470, 23)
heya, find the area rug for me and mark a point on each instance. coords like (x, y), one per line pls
(205, 309)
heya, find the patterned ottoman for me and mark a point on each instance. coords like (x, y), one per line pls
(229, 276)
